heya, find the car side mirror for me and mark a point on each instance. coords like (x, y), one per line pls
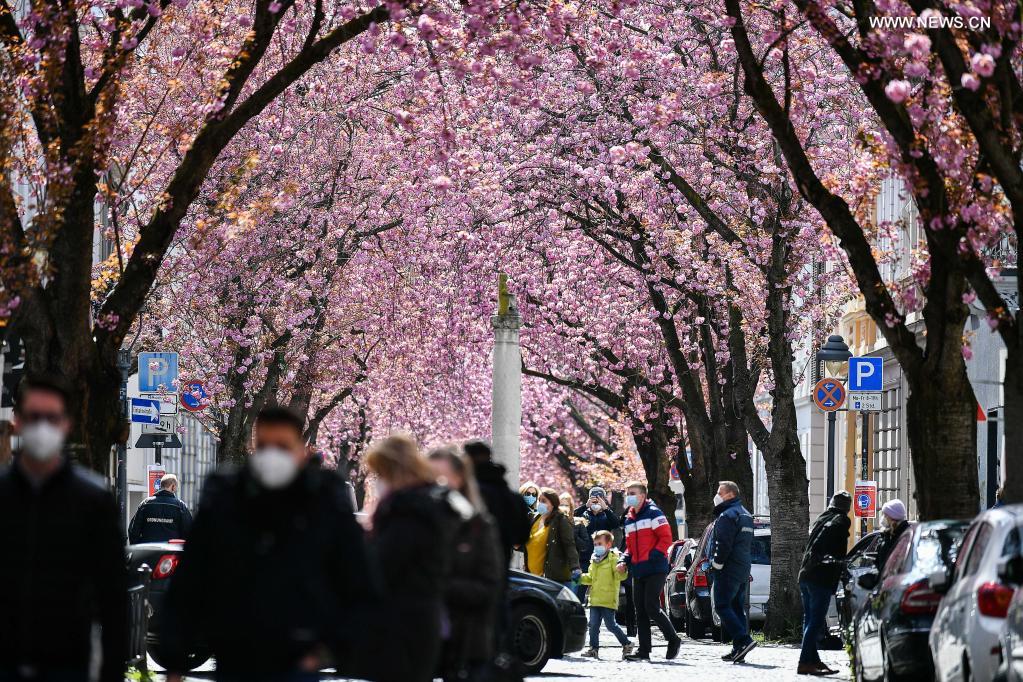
(939, 581)
(869, 581)
(1010, 570)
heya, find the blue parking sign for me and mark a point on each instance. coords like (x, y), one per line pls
(866, 374)
(157, 371)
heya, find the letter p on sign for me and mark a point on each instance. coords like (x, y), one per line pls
(866, 374)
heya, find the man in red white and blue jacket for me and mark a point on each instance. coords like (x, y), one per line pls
(647, 539)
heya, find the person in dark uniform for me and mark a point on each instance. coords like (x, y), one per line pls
(161, 517)
(63, 568)
(731, 557)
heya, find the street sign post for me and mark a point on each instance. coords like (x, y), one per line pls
(157, 371)
(829, 394)
(145, 411)
(865, 499)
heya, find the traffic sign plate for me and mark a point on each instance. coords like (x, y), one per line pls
(168, 401)
(865, 495)
(866, 374)
(865, 401)
(167, 424)
(193, 396)
(829, 394)
(145, 411)
(166, 440)
(157, 371)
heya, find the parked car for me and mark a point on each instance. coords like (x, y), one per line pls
(964, 639)
(891, 629)
(547, 619)
(681, 556)
(1010, 571)
(699, 619)
(850, 596)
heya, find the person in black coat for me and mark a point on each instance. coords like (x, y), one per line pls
(63, 565)
(274, 578)
(473, 585)
(818, 577)
(412, 543)
(161, 517)
(507, 507)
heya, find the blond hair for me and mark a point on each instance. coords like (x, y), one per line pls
(526, 486)
(396, 459)
(167, 480)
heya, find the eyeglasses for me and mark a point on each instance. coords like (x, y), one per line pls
(54, 418)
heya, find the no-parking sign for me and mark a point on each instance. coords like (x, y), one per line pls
(865, 499)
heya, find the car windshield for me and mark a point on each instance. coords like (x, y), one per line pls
(937, 547)
(761, 550)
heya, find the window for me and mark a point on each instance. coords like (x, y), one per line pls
(761, 550)
(964, 549)
(1011, 547)
(887, 454)
(977, 549)
(898, 556)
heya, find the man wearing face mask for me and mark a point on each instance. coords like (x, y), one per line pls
(647, 538)
(731, 556)
(274, 577)
(63, 567)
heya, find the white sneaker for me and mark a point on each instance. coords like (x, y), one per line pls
(591, 653)
(627, 649)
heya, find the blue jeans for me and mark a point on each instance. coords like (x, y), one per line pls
(816, 599)
(603, 614)
(730, 603)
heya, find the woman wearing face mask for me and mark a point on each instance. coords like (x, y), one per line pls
(550, 550)
(893, 523)
(414, 526)
(531, 494)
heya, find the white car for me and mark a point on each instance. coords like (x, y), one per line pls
(964, 638)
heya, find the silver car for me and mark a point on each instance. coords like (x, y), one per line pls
(964, 639)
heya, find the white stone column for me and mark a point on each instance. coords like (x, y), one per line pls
(506, 405)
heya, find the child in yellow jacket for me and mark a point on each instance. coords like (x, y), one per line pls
(604, 582)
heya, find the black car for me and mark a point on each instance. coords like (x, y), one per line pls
(850, 596)
(547, 620)
(891, 629)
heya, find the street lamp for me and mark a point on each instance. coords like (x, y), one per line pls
(835, 355)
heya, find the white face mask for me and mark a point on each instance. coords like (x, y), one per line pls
(885, 521)
(595, 508)
(380, 488)
(718, 500)
(42, 441)
(273, 467)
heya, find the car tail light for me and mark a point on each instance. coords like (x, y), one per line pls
(165, 566)
(993, 599)
(680, 578)
(700, 577)
(919, 599)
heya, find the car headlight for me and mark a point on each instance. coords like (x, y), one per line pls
(567, 595)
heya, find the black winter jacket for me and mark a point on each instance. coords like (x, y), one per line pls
(412, 545)
(471, 595)
(63, 568)
(160, 518)
(829, 537)
(886, 543)
(267, 576)
(505, 506)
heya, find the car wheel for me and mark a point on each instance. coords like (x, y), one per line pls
(531, 637)
(694, 628)
(192, 661)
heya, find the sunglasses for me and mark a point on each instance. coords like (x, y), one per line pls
(54, 418)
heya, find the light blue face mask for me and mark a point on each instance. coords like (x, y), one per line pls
(542, 508)
(530, 499)
(599, 550)
(632, 500)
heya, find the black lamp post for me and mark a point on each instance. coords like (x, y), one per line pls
(834, 354)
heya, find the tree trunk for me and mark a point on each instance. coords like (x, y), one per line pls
(652, 446)
(941, 420)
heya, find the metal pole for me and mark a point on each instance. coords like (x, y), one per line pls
(864, 430)
(123, 364)
(832, 418)
(158, 448)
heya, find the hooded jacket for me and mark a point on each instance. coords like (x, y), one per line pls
(826, 547)
(604, 580)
